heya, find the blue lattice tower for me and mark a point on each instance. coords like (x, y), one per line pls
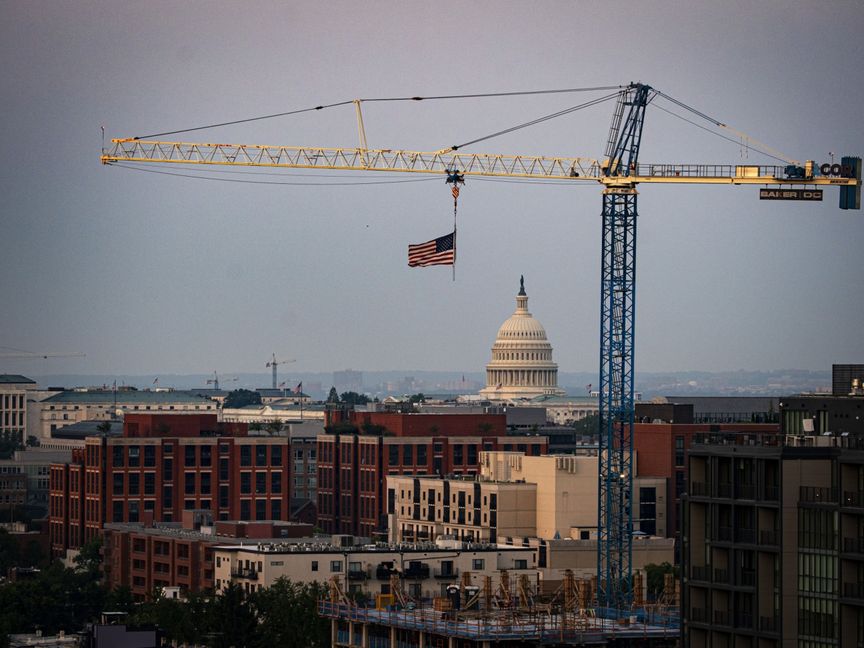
(618, 301)
(617, 321)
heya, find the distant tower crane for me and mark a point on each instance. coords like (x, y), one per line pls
(44, 355)
(275, 363)
(215, 380)
(619, 173)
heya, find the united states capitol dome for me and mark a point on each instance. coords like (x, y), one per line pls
(521, 366)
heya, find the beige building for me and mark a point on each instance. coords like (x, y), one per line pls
(71, 406)
(516, 495)
(521, 366)
(424, 569)
(14, 392)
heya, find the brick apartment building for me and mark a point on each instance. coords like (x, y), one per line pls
(163, 465)
(146, 556)
(361, 448)
(660, 452)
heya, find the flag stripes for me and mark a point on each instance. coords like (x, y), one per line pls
(439, 251)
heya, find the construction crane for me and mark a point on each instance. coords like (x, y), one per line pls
(215, 380)
(44, 355)
(275, 363)
(619, 173)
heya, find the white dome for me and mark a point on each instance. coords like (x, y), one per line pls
(521, 366)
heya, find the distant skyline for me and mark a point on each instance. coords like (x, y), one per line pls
(156, 274)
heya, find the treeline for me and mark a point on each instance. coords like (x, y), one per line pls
(61, 598)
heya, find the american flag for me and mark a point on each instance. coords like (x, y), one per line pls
(299, 388)
(439, 251)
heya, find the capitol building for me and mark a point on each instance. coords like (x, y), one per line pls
(521, 366)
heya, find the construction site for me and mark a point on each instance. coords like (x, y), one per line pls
(514, 614)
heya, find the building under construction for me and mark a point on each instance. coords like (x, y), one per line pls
(512, 615)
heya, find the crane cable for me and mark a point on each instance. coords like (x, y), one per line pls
(774, 153)
(376, 99)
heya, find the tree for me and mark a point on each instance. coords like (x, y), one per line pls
(353, 398)
(417, 398)
(333, 396)
(274, 427)
(588, 425)
(32, 441)
(288, 615)
(654, 577)
(89, 558)
(104, 427)
(242, 398)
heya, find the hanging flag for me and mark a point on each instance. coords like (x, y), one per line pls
(455, 192)
(588, 387)
(281, 385)
(299, 388)
(156, 380)
(439, 251)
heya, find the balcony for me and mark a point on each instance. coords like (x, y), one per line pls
(446, 573)
(743, 620)
(242, 572)
(721, 576)
(818, 495)
(772, 493)
(357, 575)
(383, 572)
(746, 535)
(853, 545)
(853, 499)
(747, 578)
(745, 491)
(853, 591)
(769, 624)
(722, 618)
(769, 537)
(724, 534)
(700, 573)
(417, 572)
(724, 490)
(699, 615)
(699, 489)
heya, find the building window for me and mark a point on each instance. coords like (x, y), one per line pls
(134, 455)
(276, 509)
(118, 511)
(190, 456)
(133, 511)
(478, 564)
(223, 497)
(223, 470)
(167, 469)
(472, 454)
(118, 483)
(335, 566)
(189, 483)
(167, 497)
(276, 482)
(679, 483)
(421, 455)
(205, 483)
(245, 510)
(260, 482)
(458, 459)
(206, 456)
(149, 456)
(117, 452)
(245, 482)
(260, 509)
(394, 455)
(408, 455)
(134, 483)
(245, 455)
(276, 456)
(314, 565)
(260, 455)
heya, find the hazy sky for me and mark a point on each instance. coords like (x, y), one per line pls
(151, 273)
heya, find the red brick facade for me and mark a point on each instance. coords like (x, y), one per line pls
(660, 452)
(152, 472)
(352, 465)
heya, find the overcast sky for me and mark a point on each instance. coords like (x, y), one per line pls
(151, 273)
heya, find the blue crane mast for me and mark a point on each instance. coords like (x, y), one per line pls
(617, 321)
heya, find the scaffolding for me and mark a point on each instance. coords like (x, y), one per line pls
(513, 614)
